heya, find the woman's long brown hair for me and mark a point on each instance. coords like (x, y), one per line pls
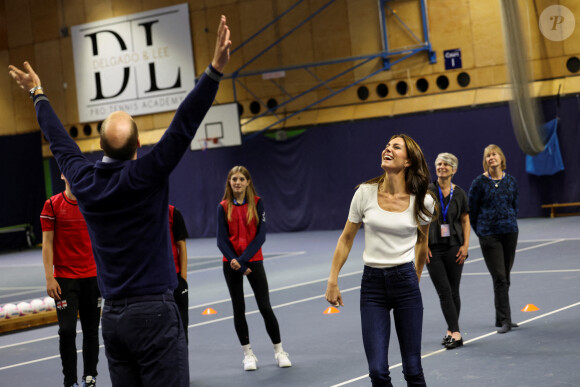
(250, 194)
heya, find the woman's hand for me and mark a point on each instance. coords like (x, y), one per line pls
(333, 295)
(234, 264)
(461, 255)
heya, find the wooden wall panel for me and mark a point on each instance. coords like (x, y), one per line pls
(7, 122)
(253, 56)
(45, 20)
(74, 13)
(450, 28)
(24, 115)
(571, 85)
(202, 48)
(330, 37)
(297, 48)
(3, 27)
(48, 66)
(572, 44)
(488, 47)
(194, 5)
(18, 23)
(97, 10)
(410, 14)
(69, 81)
(365, 33)
(31, 30)
(128, 7)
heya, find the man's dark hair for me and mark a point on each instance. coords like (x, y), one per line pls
(127, 151)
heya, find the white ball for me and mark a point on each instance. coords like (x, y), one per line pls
(11, 311)
(37, 306)
(24, 308)
(49, 303)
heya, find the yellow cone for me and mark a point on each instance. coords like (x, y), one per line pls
(331, 310)
(530, 308)
(209, 311)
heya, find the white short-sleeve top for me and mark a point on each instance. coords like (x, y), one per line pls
(390, 237)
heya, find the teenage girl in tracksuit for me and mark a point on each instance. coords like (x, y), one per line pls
(241, 231)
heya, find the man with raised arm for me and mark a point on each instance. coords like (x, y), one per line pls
(124, 200)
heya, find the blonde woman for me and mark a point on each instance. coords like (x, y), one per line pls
(493, 208)
(241, 231)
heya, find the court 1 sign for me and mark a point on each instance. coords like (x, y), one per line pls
(452, 59)
(140, 63)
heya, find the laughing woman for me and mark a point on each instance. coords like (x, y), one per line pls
(396, 210)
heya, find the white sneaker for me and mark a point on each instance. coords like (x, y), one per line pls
(283, 359)
(250, 362)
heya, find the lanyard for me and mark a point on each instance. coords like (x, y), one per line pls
(444, 210)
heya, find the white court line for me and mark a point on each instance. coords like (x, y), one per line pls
(467, 342)
(275, 290)
(32, 290)
(250, 295)
(530, 272)
(189, 326)
(288, 287)
(282, 255)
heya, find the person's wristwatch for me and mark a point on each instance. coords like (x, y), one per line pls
(33, 90)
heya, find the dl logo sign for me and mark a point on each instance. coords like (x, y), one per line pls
(140, 63)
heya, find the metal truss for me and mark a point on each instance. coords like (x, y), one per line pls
(389, 57)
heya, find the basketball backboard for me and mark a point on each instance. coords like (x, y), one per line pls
(219, 128)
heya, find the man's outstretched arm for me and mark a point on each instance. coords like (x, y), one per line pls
(62, 146)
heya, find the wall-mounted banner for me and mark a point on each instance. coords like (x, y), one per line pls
(140, 63)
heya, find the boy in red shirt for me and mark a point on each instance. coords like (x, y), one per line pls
(71, 279)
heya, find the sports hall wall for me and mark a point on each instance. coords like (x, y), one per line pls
(307, 181)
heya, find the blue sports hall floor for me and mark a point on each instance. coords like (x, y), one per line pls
(326, 349)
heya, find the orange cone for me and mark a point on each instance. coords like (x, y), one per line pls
(530, 308)
(209, 311)
(331, 310)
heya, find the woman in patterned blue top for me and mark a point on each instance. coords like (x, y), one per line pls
(493, 208)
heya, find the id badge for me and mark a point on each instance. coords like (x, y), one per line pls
(445, 232)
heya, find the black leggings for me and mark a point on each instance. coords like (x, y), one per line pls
(445, 273)
(259, 284)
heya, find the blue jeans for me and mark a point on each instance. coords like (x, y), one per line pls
(395, 288)
(145, 342)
